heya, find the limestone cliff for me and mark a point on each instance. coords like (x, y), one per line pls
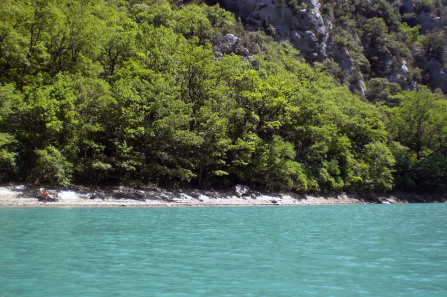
(340, 34)
(302, 24)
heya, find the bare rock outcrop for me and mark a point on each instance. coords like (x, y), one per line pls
(309, 26)
(302, 24)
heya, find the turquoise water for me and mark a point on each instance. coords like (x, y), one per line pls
(355, 250)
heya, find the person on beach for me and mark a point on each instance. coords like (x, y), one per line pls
(44, 195)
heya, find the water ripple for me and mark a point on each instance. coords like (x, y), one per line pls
(368, 250)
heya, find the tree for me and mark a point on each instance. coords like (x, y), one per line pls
(381, 91)
(74, 44)
(419, 126)
(378, 175)
(193, 23)
(118, 46)
(51, 168)
(435, 45)
(7, 156)
(375, 39)
(419, 122)
(10, 102)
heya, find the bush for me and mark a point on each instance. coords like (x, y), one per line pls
(381, 91)
(429, 174)
(7, 157)
(52, 168)
(424, 6)
(378, 175)
(434, 44)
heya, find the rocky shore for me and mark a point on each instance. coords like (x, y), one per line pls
(121, 196)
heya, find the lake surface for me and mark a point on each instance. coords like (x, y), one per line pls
(353, 250)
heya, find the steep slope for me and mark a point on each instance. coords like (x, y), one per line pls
(145, 92)
(357, 40)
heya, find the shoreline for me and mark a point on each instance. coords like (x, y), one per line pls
(121, 196)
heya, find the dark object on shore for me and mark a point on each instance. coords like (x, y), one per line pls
(46, 197)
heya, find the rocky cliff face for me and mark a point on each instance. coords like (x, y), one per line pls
(313, 28)
(301, 24)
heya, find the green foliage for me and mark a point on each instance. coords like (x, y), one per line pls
(375, 38)
(411, 34)
(429, 174)
(435, 44)
(276, 167)
(381, 91)
(378, 175)
(7, 156)
(424, 6)
(392, 32)
(379, 35)
(131, 91)
(10, 101)
(418, 123)
(51, 167)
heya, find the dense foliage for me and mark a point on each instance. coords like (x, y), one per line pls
(114, 91)
(401, 40)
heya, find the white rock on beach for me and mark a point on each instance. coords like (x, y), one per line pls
(68, 195)
(4, 191)
(241, 190)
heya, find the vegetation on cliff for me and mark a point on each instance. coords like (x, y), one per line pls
(114, 91)
(402, 41)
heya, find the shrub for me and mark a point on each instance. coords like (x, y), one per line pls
(52, 167)
(7, 157)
